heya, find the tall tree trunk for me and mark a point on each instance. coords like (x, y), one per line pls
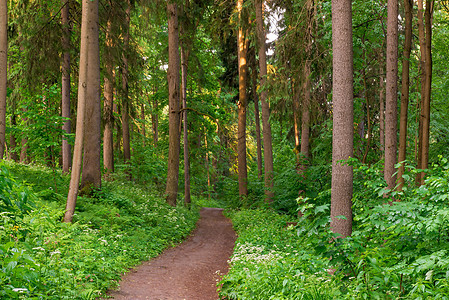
(155, 120)
(343, 127)
(184, 64)
(65, 91)
(108, 105)
(207, 161)
(3, 72)
(173, 102)
(88, 91)
(305, 119)
(381, 104)
(296, 92)
(91, 177)
(257, 121)
(12, 138)
(142, 117)
(242, 104)
(391, 114)
(408, 5)
(126, 100)
(267, 141)
(425, 109)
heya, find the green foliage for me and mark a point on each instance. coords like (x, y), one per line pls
(43, 258)
(397, 249)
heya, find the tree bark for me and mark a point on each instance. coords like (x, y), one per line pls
(3, 73)
(173, 100)
(257, 121)
(184, 64)
(428, 89)
(155, 120)
(125, 88)
(66, 149)
(242, 104)
(296, 111)
(267, 141)
(408, 6)
(91, 177)
(88, 91)
(305, 119)
(381, 104)
(108, 116)
(391, 114)
(343, 127)
(12, 138)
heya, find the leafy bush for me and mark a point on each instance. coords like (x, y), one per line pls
(43, 258)
(397, 249)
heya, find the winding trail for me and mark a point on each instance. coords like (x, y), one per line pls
(189, 271)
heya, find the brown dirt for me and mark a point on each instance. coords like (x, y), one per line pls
(189, 271)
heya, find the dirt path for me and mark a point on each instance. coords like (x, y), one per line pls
(189, 271)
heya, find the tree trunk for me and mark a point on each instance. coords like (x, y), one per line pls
(242, 42)
(184, 64)
(155, 120)
(66, 151)
(305, 119)
(267, 141)
(108, 116)
(88, 91)
(391, 114)
(3, 72)
(425, 109)
(257, 121)
(91, 177)
(296, 110)
(408, 6)
(142, 117)
(381, 104)
(343, 127)
(173, 102)
(12, 138)
(126, 100)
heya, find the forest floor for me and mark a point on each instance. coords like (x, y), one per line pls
(189, 271)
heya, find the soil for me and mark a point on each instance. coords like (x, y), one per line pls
(189, 271)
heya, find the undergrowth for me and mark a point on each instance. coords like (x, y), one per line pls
(398, 249)
(43, 258)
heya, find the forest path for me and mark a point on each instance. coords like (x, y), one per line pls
(189, 271)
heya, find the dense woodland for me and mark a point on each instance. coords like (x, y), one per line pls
(119, 119)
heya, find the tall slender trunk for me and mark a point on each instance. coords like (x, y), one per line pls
(391, 114)
(296, 111)
(257, 121)
(108, 105)
(155, 120)
(408, 5)
(343, 127)
(173, 101)
(126, 100)
(3, 72)
(305, 119)
(88, 91)
(142, 117)
(381, 104)
(12, 138)
(91, 177)
(184, 64)
(242, 104)
(65, 91)
(207, 161)
(425, 109)
(267, 141)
